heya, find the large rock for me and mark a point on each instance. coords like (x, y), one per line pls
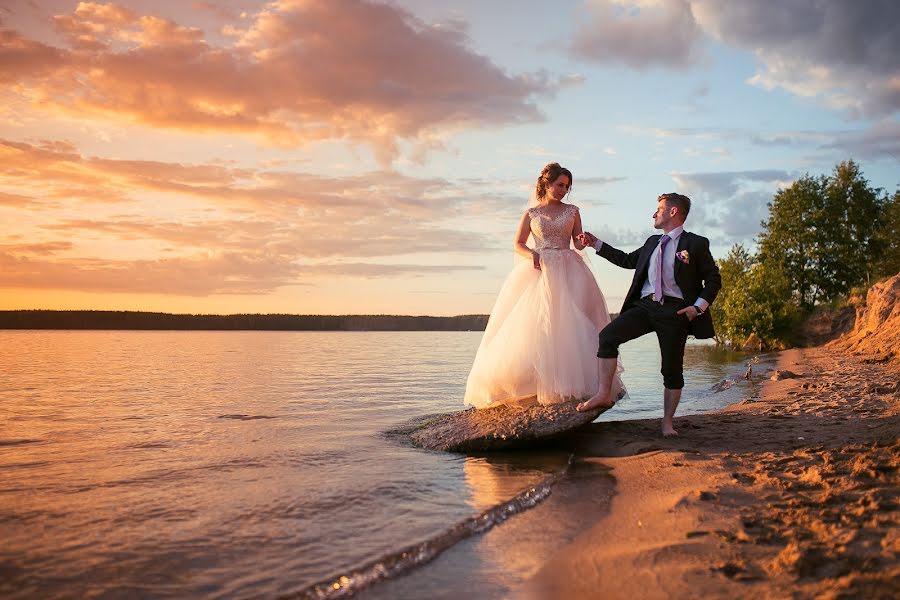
(496, 428)
(877, 326)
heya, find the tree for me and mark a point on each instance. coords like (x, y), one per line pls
(788, 242)
(755, 298)
(847, 230)
(888, 262)
(823, 234)
(733, 269)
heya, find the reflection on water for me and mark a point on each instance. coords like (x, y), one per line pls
(491, 479)
(499, 563)
(235, 464)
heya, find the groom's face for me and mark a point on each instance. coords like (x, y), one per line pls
(662, 216)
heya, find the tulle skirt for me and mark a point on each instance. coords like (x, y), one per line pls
(540, 343)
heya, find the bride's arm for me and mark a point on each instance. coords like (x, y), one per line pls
(576, 231)
(522, 237)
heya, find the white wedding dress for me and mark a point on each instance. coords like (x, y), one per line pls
(540, 343)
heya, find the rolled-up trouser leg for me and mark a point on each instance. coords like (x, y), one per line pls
(671, 332)
(631, 324)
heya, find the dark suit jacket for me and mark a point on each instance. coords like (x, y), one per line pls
(699, 278)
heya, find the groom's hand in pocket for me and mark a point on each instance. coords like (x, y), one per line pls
(690, 311)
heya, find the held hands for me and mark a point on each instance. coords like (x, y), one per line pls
(586, 239)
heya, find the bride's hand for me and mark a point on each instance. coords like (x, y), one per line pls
(536, 260)
(587, 239)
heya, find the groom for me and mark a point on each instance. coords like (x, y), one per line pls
(675, 281)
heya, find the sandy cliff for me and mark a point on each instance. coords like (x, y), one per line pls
(877, 328)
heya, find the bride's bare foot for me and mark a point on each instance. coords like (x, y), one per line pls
(598, 401)
(668, 430)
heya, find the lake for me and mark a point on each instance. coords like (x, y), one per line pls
(161, 464)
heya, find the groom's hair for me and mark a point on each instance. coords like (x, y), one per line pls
(681, 202)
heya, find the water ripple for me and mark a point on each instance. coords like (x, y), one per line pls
(404, 560)
(19, 442)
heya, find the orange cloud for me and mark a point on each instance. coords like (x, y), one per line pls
(55, 169)
(201, 275)
(301, 72)
(237, 231)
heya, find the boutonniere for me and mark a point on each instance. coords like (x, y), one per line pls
(683, 256)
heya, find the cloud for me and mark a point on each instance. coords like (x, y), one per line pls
(240, 230)
(733, 202)
(43, 249)
(704, 133)
(200, 275)
(298, 73)
(21, 58)
(192, 276)
(726, 183)
(625, 239)
(17, 200)
(876, 142)
(847, 53)
(381, 270)
(638, 33)
(599, 180)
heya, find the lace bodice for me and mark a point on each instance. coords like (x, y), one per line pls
(552, 232)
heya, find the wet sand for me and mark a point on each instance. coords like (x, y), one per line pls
(790, 494)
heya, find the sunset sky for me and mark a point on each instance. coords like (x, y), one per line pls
(347, 156)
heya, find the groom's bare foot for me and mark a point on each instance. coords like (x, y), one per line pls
(668, 430)
(598, 401)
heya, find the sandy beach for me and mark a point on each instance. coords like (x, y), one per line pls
(789, 494)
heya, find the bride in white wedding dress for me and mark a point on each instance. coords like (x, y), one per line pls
(540, 343)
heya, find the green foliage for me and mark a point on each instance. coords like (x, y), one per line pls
(824, 234)
(824, 238)
(887, 263)
(788, 242)
(851, 220)
(754, 299)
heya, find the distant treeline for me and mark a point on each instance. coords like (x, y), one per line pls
(99, 319)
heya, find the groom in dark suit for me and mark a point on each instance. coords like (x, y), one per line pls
(675, 281)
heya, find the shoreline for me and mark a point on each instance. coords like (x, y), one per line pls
(791, 493)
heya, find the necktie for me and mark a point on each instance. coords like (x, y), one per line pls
(657, 279)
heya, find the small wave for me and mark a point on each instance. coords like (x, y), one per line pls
(246, 417)
(18, 442)
(411, 557)
(723, 385)
(148, 445)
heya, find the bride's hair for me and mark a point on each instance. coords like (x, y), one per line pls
(549, 174)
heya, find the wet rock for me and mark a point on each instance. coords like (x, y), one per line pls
(496, 428)
(753, 343)
(722, 385)
(785, 374)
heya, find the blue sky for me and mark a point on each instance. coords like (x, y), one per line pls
(357, 157)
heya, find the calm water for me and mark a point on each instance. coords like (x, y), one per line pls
(254, 464)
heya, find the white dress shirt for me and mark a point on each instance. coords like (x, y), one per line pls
(670, 288)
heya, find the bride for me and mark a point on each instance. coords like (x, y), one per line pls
(540, 343)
